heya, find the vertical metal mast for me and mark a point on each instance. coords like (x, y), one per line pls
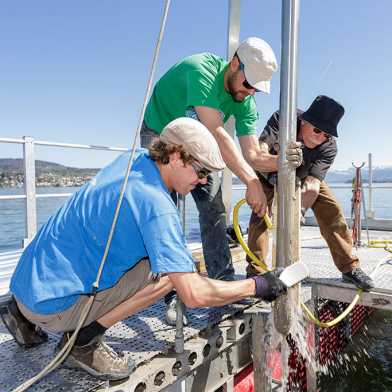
(370, 211)
(286, 176)
(233, 37)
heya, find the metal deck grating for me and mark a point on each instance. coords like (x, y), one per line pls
(145, 335)
(315, 253)
(141, 336)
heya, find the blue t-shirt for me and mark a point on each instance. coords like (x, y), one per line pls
(62, 260)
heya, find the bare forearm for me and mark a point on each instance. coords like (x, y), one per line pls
(199, 291)
(308, 199)
(233, 158)
(257, 155)
(264, 162)
(309, 192)
(213, 292)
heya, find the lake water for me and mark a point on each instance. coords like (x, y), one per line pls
(368, 365)
(12, 214)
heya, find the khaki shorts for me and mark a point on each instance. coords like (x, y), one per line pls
(130, 283)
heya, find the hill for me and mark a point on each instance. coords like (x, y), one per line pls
(55, 174)
(47, 173)
(380, 174)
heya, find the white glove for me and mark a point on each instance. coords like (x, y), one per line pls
(294, 154)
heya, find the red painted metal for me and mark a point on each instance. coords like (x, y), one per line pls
(330, 341)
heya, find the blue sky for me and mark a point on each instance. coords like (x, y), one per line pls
(76, 71)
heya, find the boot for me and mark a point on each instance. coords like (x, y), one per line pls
(98, 359)
(25, 333)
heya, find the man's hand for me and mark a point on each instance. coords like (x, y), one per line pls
(269, 286)
(255, 197)
(310, 191)
(294, 154)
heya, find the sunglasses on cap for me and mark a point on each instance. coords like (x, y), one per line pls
(201, 172)
(317, 131)
(245, 83)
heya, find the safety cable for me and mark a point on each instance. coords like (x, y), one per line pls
(62, 354)
(261, 264)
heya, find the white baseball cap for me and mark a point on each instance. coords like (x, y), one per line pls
(259, 62)
(196, 139)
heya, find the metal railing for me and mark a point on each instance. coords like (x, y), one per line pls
(30, 196)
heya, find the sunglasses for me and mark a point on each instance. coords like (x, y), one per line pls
(201, 172)
(318, 131)
(245, 83)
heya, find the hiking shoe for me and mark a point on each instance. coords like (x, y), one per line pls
(358, 278)
(25, 333)
(98, 359)
(171, 313)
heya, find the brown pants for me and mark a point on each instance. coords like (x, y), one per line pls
(333, 228)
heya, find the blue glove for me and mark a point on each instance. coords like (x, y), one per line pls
(269, 286)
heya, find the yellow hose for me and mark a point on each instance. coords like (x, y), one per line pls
(308, 312)
(385, 244)
(241, 239)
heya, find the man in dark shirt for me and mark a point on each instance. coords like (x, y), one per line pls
(316, 130)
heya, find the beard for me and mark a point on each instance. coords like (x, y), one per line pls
(236, 95)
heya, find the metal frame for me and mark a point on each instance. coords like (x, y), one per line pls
(370, 211)
(382, 299)
(209, 360)
(30, 194)
(29, 187)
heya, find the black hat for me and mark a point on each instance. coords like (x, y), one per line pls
(324, 113)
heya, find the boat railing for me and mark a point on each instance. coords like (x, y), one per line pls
(30, 195)
(29, 182)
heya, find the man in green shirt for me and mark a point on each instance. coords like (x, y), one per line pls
(210, 89)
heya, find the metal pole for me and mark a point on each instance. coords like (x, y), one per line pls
(233, 37)
(179, 338)
(313, 346)
(370, 212)
(29, 188)
(365, 214)
(261, 350)
(359, 208)
(283, 308)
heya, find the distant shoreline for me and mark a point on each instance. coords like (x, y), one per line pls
(70, 183)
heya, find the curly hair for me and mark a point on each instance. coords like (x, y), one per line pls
(160, 152)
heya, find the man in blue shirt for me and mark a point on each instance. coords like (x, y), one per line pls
(148, 257)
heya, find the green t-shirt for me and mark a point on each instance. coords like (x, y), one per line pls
(198, 81)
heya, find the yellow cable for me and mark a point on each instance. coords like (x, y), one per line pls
(308, 312)
(380, 244)
(241, 239)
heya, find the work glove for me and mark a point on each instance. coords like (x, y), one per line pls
(269, 286)
(294, 154)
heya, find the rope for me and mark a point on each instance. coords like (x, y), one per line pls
(59, 358)
(261, 264)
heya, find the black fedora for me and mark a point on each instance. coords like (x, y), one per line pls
(324, 113)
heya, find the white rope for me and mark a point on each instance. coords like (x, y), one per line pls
(59, 358)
